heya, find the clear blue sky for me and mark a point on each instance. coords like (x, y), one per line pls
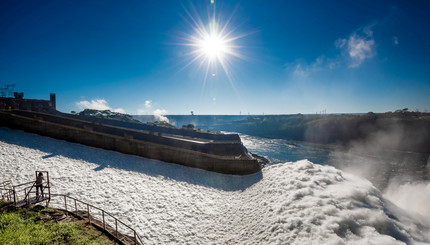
(289, 56)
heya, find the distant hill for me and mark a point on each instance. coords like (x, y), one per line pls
(399, 130)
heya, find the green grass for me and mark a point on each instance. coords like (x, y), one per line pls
(30, 226)
(3, 203)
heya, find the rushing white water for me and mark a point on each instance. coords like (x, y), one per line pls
(291, 203)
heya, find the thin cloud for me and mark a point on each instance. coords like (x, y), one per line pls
(358, 47)
(119, 110)
(140, 112)
(354, 50)
(304, 70)
(143, 109)
(97, 104)
(299, 71)
(396, 40)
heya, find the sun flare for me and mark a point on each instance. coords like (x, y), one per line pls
(213, 46)
(213, 43)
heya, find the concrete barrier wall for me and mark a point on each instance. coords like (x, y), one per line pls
(128, 141)
(230, 148)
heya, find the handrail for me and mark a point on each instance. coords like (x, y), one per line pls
(6, 190)
(30, 182)
(21, 192)
(27, 183)
(27, 194)
(137, 238)
(13, 192)
(6, 182)
(24, 193)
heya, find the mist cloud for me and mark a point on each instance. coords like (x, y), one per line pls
(387, 147)
(159, 115)
(400, 175)
(412, 196)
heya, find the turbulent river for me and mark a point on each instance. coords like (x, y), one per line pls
(307, 195)
(366, 160)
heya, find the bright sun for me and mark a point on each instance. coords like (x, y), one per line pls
(213, 46)
(213, 43)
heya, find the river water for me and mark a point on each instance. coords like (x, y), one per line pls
(368, 160)
(380, 167)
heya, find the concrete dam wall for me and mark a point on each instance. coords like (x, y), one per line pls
(224, 155)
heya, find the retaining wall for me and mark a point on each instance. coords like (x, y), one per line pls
(228, 158)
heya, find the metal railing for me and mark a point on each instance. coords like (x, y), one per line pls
(21, 195)
(6, 190)
(108, 222)
(24, 191)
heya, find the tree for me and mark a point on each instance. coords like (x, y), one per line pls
(188, 126)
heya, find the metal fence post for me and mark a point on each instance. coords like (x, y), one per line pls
(104, 224)
(14, 196)
(135, 238)
(49, 186)
(116, 227)
(65, 202)
(89, 217)
(76, 208)
(27, 199)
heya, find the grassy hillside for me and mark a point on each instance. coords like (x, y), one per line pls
(38, 225)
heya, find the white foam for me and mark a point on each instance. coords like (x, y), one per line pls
(292, 203)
